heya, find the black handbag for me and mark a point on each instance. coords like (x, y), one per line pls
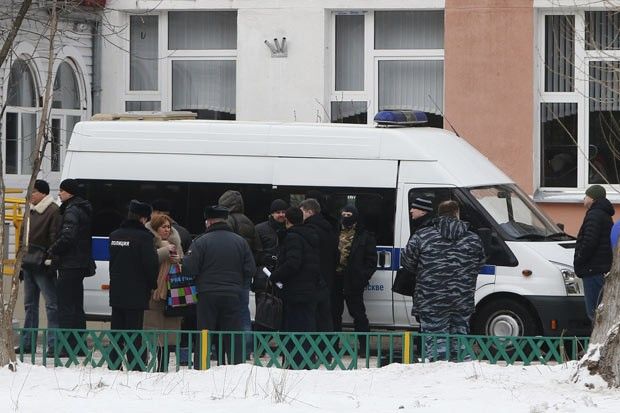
(268, 310)
(404, 282)
(35, 258)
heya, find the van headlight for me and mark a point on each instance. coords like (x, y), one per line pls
(571, 281)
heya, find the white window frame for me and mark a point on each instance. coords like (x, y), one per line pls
(164, 68)
(144, 94)
(20, 111)
(372, 57)
(579, 96)
(62, 114)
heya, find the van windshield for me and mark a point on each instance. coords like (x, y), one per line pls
(516, 215)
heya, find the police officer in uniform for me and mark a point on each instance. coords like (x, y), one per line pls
(133, 273)
(223, 265)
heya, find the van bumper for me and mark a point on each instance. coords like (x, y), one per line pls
(568, 312)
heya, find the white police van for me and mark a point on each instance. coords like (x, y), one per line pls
(527, 287)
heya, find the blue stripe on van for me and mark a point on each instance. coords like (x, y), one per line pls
(101, 252)
(488, 270)
(101, 248)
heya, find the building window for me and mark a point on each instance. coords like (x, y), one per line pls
(20, 119)
(349, 112)
(206, 87)
(142, 106)
(202, 30)
(143, 52)
(198, 54)
(67, 111)
(350, 52)
(579, 113)
(400, 68)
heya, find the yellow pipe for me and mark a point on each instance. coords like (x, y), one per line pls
(406, 348)
(204, 346)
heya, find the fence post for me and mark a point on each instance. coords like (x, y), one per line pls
(204, 347)
(407, 347)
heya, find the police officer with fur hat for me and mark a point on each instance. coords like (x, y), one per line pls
(593, 253)
(134, 267)
(222, 264)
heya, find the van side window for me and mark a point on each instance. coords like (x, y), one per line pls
(377, 206)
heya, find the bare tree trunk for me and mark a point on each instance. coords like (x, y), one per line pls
(7, 355)
(17, 23)
(603, 355)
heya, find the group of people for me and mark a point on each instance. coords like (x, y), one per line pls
(58, 258)
(318, 261)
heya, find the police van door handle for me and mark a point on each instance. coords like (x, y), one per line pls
(384, 259)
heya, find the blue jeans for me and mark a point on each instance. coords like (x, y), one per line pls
(36, 283)
(592, 287)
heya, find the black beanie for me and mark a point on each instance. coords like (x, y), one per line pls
(278, 205)
(42, 186)
(141, 209)
(69, 185)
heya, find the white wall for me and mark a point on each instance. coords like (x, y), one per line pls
(295, 88)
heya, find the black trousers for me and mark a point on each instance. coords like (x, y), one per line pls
(221, 312)
(355, 306)
(125, 319)
(70, 293)
(299, 317)
(324, 318)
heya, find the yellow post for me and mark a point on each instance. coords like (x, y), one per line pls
(407, 348)
(204, 347)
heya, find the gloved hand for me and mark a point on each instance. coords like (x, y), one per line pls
(47, 262)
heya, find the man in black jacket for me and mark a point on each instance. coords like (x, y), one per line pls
(71, 252)
(358, 262)
(134, 268)
(270, 233)
(593, 254)
(328, 249)
(299, 272)
(223, 265)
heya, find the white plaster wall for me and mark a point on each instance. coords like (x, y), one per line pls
(286, 89)
(295, 88)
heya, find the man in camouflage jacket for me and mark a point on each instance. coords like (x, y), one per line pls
(446, 257)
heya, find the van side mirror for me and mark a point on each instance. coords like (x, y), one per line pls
(485, 235)
(560, 225)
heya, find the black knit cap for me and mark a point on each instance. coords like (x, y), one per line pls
(596, 192)
(42, 186)
(215, 211)
(278, 205)
(70, 185)
(423, 203)
(141, 209)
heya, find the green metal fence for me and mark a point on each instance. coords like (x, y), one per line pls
(160, 351)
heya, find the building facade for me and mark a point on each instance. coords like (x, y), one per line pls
(533, 84)
(22, 83)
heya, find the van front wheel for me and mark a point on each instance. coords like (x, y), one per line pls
(504, 317)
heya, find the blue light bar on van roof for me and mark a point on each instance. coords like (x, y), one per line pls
(401, 117)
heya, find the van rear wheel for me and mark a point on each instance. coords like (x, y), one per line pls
(505, 317)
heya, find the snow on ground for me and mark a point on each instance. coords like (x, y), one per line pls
(433, 387)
